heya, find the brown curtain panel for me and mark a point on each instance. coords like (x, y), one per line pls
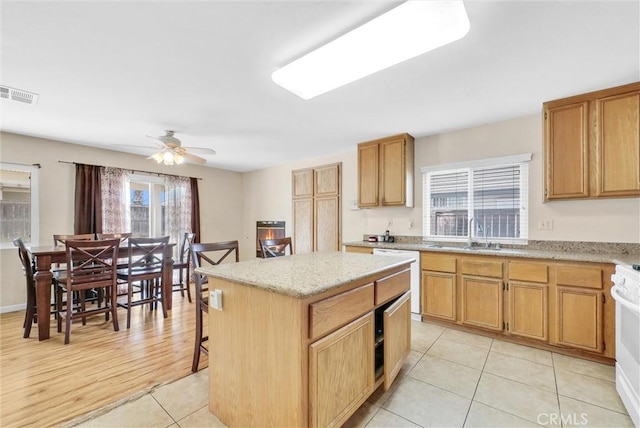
(88, 200)
(195, 209)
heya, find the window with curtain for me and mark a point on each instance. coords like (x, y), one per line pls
(492, 192)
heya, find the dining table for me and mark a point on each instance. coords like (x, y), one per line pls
(45, 256)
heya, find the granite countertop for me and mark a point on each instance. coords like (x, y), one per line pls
(551, 254)
(303, 275)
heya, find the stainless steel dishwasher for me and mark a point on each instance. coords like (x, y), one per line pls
(415, 276)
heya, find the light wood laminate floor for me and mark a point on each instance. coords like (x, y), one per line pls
(47, 383)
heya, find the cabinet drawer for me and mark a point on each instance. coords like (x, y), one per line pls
(481, 268)
(579, 276)
(532, 272)
(363, 250)
(438, 262)
(329, 314)
(390, 286)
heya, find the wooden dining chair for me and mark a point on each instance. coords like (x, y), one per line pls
(183, 265)
(90, 265)
(145, 270)
(122, 236)
(31, 312)
(60, 239)
(210, 254)
(275, 247)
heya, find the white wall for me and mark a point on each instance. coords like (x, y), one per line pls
(267, 193)
(232, 202)
(221, 207)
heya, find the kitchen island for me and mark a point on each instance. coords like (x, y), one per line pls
(304, 340)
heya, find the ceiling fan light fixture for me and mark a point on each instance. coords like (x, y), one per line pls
(178, 158)
(158, 157)
(167, 158)
(409, 30)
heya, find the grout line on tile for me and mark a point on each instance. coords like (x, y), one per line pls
(591, 404)
(165, 410)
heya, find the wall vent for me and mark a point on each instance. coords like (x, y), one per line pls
(17, 95)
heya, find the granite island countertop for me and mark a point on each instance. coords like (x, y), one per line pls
(304, 275)
(550, 254)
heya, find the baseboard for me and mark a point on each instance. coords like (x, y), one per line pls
(13, 308)
(416, 317)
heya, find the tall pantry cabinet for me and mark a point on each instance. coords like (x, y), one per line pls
(316, 208)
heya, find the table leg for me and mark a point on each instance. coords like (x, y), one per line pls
(167, 282)
(43, 277)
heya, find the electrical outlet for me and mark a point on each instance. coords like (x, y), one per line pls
(389, 223)
(410, 223)
(545, 224)
(215, 299)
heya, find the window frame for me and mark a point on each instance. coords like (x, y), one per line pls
(33, 170)
(522, 161)
(155, 203)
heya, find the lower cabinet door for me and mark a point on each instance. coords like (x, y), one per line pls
(482, 302)
(341, 372)
(397, 337)
(528, 310)
(579, 318)
(439, 295)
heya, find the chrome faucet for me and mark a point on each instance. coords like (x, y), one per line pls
(486, 238)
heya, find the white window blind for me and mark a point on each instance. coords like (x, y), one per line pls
(493, 192)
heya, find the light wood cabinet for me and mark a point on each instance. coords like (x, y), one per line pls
(341, 372)
(438, 286)
(385, 172)
(562, 304)
(528, 294)
(481, 292)
(592, 144)
(397, 337)
(361, 250)
(579, 315)
(294, 361)
(580, 302)
(316, 204)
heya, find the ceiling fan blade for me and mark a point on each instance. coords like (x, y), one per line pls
(193, 158)
(201, 150)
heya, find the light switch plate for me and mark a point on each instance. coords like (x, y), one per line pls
(215, 299)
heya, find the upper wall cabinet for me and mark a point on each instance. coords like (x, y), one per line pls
(592, 144)
(385, 172)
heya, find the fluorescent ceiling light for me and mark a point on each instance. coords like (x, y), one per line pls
(409, 30)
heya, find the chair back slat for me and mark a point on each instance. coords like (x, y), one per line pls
(91, 263)
(276, 247)
(147, 255)
(185, 246)
(213, 254)
(60, 239)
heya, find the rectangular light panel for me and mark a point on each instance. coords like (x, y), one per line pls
(409, 30)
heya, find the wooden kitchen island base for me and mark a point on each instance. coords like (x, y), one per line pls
(304, 340)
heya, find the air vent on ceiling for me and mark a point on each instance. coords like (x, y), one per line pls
(17, 95)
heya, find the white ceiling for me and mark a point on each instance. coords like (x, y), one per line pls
(110, 72)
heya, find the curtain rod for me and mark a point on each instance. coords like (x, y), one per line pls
(129, 169)
(37, 165)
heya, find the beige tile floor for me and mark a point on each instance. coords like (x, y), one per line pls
(451, 379)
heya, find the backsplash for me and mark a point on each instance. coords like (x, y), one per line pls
(565, 246)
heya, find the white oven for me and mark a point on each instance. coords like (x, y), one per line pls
(626, 293)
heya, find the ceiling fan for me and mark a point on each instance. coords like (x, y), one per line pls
(172, 152)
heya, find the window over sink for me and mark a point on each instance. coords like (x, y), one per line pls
(488, 198)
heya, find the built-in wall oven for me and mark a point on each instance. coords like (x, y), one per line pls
(626, 293)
